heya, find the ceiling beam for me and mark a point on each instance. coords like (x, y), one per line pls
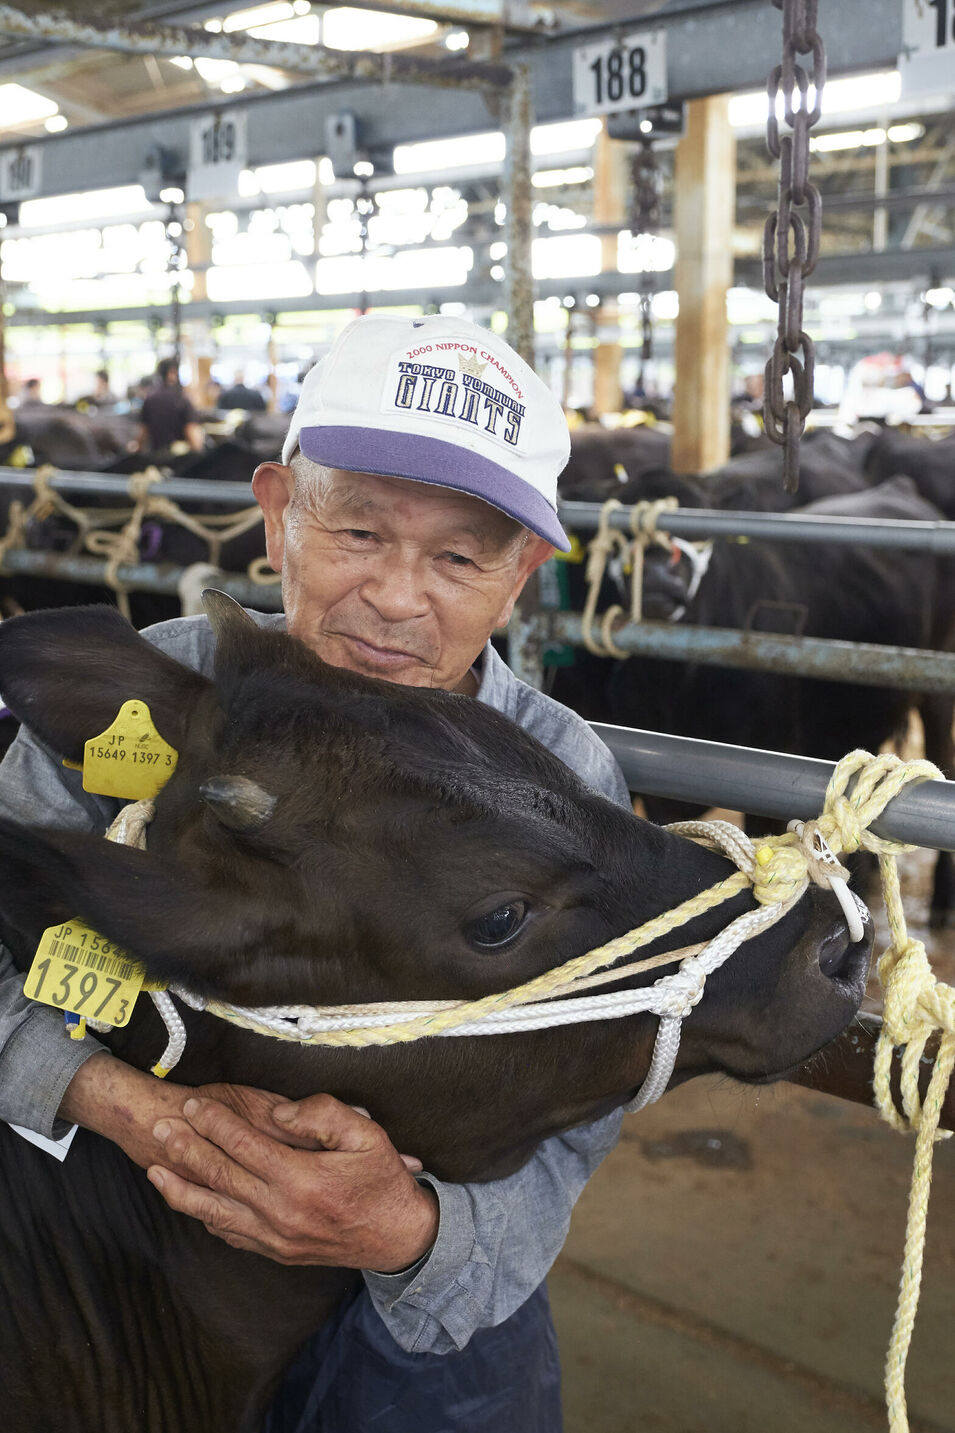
(710, 50)
(147, 38)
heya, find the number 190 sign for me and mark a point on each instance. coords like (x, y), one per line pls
(618, 74)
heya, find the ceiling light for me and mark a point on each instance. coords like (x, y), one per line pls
(258, 15)
(171, 195)
(183, 62)
(905, 133)
(457, 40)
(347, 28)
(214, 71)
(556, 178)
(18, 105)
(56, 123)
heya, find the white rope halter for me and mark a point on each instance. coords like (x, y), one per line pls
(670, 997)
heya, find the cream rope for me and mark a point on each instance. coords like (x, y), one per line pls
(607, 542)
(122, 548)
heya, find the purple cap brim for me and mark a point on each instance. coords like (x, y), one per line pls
(430, 460)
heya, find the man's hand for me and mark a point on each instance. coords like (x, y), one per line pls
(123, 1104)
(346, 1198)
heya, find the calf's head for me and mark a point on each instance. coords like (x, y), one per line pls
(329, 839)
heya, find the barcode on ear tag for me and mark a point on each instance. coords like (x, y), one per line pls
(77, 970)
(129, 759)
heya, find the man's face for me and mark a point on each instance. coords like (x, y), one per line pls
(393, 578)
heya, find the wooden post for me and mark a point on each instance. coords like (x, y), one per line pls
(8, 425)
(704, 206)
(197, 343)
(610, 189)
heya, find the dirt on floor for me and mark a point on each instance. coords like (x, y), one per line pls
(734, 1264)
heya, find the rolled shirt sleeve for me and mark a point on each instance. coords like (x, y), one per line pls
(496, 1243)
(37, 1057)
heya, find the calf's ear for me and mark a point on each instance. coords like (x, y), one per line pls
(151, 906)
(66, 672)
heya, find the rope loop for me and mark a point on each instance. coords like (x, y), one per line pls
(601, 548)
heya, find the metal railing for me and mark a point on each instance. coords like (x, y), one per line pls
(767, 783)
(698, 523)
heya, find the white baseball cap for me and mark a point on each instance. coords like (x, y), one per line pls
(439, 400)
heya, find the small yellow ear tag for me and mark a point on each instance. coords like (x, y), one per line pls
(78, 971)
(129, 759)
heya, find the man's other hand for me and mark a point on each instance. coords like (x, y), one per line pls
(316, 1182)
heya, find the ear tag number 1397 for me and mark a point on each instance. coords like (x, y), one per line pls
(77, 970)
(129, 759)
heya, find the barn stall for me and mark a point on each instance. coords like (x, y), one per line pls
(188, 185)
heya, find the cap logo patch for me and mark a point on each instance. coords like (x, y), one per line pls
(460, 394)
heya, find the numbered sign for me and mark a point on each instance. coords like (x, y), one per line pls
(927, 59)
(218, 152)
(21, 172)
(617, 74)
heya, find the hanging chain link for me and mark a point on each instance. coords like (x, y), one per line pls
(646, 188)
(791, 242)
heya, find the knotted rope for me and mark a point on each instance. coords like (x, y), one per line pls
(779, 871)
(609, 543)
(121, 548)
(603, 545)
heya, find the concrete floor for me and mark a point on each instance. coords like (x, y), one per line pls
(733, 1267)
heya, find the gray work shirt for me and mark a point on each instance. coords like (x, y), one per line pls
(496, 1241)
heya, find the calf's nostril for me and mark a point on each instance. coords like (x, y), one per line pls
(834, 951)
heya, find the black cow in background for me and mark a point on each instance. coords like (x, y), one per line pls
(930, 465)
(851, 594)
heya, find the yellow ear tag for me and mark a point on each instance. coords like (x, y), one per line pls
(78, 971)
(129, 759)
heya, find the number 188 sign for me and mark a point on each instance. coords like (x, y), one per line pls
(615, 74)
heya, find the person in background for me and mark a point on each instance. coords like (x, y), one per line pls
(102, 395)
(167, 415)
(30, 394)
(240, 395)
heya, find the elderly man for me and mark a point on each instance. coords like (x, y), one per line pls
(416, 494)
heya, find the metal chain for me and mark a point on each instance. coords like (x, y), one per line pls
(646, 187)
(176, 259)
(791, 242)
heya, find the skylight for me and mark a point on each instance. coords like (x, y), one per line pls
(345, 28)
(18, 105)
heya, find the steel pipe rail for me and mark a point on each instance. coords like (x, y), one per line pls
(112, 485)
(161, 577)
(767, 783)
(696, 523)
(859, 663)
(937, 537)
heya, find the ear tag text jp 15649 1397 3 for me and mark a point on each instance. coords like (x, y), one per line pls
(129, 760)
(83, 974)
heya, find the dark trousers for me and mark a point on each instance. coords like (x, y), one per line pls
(353, 1378)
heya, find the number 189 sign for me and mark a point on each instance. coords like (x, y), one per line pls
(616, 74)
(927, 61)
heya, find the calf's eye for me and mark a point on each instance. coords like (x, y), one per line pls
(497, 927)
